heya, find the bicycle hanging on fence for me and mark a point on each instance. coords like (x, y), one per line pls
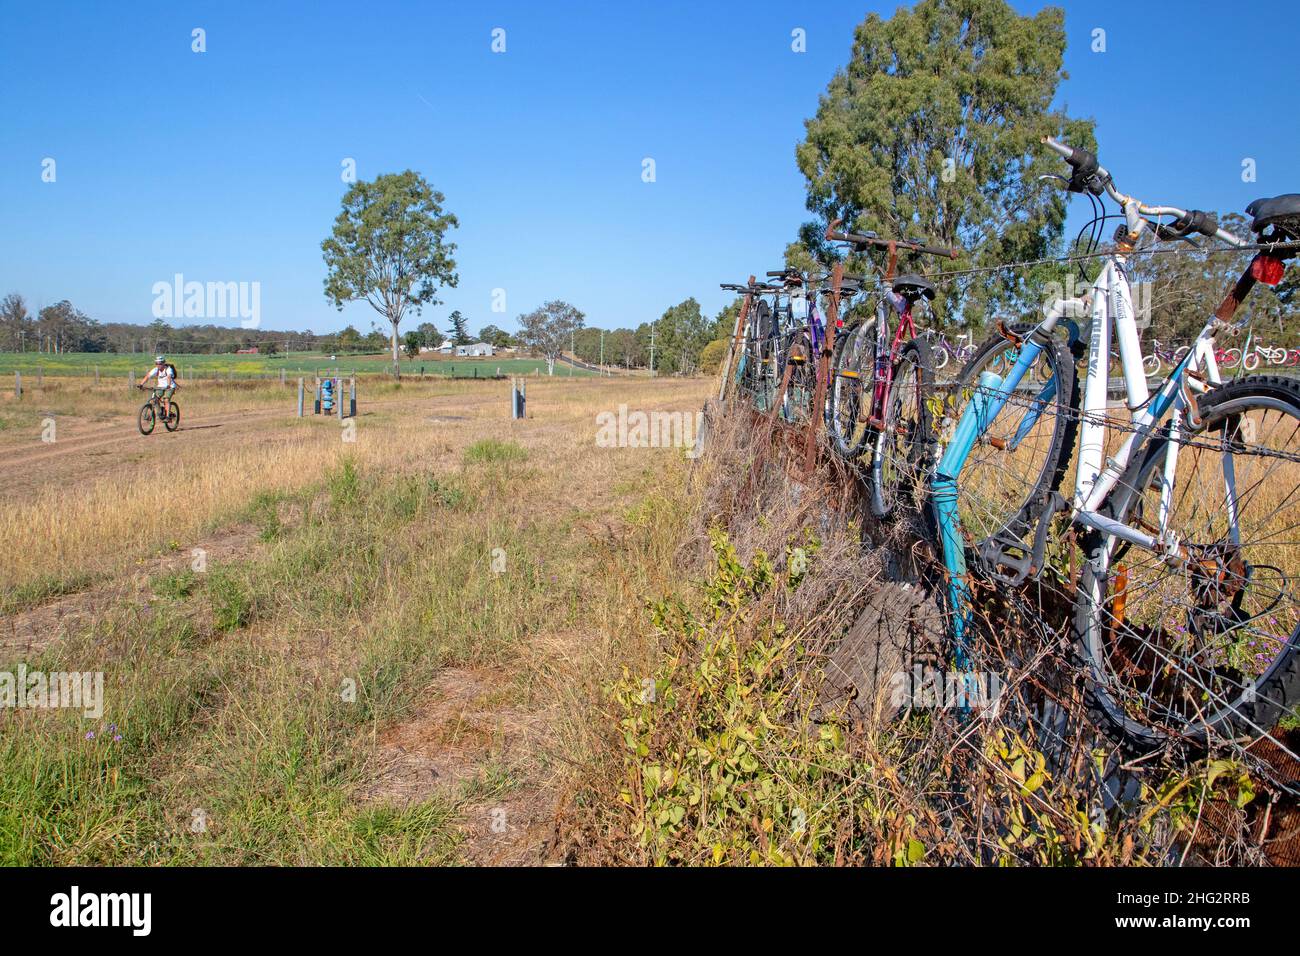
(756, 345)
(1186, 614)
(880, 382)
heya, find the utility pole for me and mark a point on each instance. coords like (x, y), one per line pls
(652, 351)
(602, 351)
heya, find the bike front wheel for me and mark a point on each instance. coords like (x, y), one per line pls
(852, 375)
(1202, 646)
(796, 401)
(147, 418)
(903, 446)
(1023, 453)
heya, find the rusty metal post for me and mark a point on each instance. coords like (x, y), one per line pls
(817, 415)
(735, 343)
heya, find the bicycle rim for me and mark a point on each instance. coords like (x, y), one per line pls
(1207, 648)
(902, 445)
(1022, 456)
(764, 374)
(851, 379)
(147, 419)
(797, 401)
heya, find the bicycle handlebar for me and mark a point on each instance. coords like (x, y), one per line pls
(871, 239)
(757, 287)
(1096, 179)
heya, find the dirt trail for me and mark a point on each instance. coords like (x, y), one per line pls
(463, 745)
(82, 453)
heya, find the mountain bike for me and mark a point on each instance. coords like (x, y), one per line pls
(880, 381)
(151, 412)
(807, 340)
(1185, 615)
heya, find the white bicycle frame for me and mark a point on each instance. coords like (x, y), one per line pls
(1110, 302)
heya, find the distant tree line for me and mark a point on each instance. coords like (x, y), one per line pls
(62, 327)
(674, 341)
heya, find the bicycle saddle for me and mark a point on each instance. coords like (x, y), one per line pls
(1281, 211)
(913, 287)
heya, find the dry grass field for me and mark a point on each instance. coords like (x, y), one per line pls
(369, 643)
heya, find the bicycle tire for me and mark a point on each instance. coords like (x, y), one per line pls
(1105, 646)
(147, 419)
(173, 420)
(854, 352)
(1014, 515)
(796, 401)
(903, 447)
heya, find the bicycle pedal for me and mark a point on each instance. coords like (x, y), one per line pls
(1006, 560)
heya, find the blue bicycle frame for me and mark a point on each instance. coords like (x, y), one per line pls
(989, 398)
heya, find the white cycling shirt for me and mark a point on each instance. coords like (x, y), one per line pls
(164, 376)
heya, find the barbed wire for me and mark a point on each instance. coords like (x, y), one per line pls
(1183, 440)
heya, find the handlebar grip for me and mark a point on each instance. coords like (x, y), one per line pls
(1087, 173)
(1082, 160)
(1194, 220)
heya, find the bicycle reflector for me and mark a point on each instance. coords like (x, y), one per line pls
(1267, 269)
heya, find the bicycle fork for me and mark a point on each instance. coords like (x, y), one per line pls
(988, 400)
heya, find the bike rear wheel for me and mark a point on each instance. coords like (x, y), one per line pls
(796, 403)
(1208, 648)
(852, 375)
(173, 419)
(1022, 456)
(900, 465)
(147, 418)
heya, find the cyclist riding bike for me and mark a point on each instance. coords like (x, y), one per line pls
(164, 374)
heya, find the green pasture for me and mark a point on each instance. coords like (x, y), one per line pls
(32, 364)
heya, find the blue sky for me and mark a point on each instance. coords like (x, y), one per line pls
(225, 165)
